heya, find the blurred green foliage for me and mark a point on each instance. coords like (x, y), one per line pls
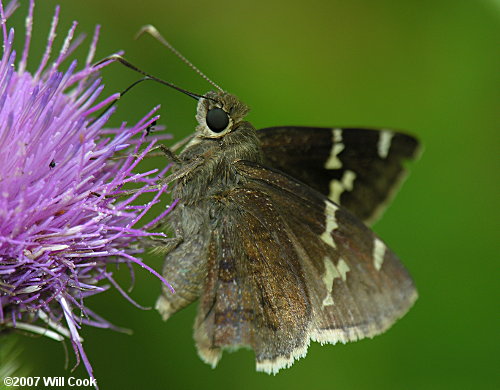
(428, 67)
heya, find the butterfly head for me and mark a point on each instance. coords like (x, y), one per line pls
(219, 113)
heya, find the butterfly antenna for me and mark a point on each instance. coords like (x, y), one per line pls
(123, 61)
(110, 105)
(151, 30)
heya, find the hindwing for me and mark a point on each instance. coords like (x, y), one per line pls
(286, 266)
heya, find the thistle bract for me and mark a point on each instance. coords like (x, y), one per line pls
(61, 224)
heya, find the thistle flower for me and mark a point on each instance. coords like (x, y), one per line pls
(60, 223)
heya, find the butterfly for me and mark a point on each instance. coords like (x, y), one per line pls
(271, 232)
(271, 235)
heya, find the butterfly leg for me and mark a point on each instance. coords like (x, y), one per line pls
(185, 270)
(163, 246)
(171, 156)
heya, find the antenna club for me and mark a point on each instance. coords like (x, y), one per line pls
(151, 30)
(111, 58)
(148, 28)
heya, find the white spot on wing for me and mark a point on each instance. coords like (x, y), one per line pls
(333, 161)
(337, 135)
(330, 223)
(338, 187)
(348, 180)
(332, 272)
(343, 269)
(379, 249)
(384, 143)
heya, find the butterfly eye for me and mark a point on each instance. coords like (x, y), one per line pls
(217, 119)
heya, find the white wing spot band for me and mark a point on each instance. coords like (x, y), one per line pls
(379, 249)
(384, 143)
(333, 161)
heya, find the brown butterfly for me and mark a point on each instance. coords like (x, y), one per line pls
(271, 233)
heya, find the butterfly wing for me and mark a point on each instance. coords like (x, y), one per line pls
(360, 169)
(255, 294)
(287, 266)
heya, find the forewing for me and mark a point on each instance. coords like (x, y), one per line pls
(360, 169)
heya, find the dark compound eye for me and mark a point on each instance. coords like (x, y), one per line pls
(217, 119)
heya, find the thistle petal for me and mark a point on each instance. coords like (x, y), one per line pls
(60, 224)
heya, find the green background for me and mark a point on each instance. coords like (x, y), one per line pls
(428, 67)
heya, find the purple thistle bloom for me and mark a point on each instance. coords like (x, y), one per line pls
(60, 225)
